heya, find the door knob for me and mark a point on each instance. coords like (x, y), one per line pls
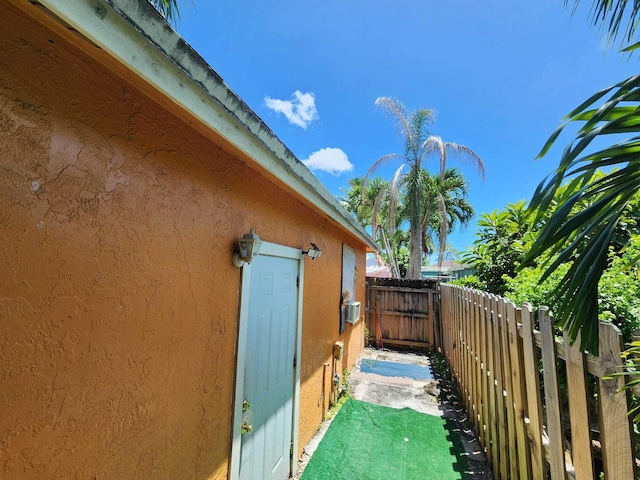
(246, 427)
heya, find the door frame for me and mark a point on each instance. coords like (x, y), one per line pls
(273, 250)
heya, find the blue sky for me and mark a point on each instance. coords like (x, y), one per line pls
(500, 75)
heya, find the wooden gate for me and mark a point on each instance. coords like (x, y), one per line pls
(402, 312)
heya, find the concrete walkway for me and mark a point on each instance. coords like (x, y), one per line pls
(420, 395)
(397, 380)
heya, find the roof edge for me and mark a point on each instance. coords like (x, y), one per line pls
(136, 34)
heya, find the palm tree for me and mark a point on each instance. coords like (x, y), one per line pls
(369, 204)
(583, 236)
(360, 202)
(419, 145)
(447, 206)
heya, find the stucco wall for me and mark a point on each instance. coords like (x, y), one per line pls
(118, 301)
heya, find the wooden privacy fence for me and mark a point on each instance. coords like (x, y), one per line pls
(402, 312)
(509, 374)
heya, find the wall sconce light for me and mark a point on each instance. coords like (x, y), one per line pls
(313, 252)
(249, 245)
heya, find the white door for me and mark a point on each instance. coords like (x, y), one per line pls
(268, 387)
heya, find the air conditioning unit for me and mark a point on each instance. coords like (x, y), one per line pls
(352, 312)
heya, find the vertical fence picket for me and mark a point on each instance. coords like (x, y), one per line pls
(452, 316)
(504, 319)
(492, 419)
(435, 329)
(494, 353)
(460, 339)
(519, 393)
(454, 332)
(475, 379)
(552, 397)
(444, 294)
(463, 346)
(486, 430)
(479, 369)
(578, 411)
(501, 427)
(534, 403)
(378, 321)
(468, 365)
(615, 430)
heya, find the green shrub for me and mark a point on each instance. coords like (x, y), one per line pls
(618, 290)
(471, 281)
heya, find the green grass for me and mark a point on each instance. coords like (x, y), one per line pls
(371, 442)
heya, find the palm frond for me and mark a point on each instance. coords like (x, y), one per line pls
(469, 157)
(398, 112)
(434, 144)
(583, 227)
(384, 160)
(169, 9)
(394, 197)
(444, 228)
(612, 16)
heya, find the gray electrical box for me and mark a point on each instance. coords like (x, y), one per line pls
(352, 312)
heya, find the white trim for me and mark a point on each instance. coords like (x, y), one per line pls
(296, 387)
(136, 35)
(234, 460)
(272, 250)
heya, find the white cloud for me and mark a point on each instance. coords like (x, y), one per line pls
(300, 110)
(331, 160)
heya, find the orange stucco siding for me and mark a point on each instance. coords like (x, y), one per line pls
(118, 299)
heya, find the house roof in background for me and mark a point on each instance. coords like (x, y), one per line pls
(134, 34)
(447, 265)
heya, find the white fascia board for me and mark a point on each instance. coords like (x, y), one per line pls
(135, 34)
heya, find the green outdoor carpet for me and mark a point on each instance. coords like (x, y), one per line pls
(371, 442)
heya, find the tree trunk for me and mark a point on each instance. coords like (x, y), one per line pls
(414, 271)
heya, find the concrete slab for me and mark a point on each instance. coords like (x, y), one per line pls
(392, 391)
(396, 369)
(414, 397)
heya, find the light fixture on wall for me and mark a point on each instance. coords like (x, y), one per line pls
(249, 245)
(313, 252)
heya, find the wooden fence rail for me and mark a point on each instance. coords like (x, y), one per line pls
(570, 422)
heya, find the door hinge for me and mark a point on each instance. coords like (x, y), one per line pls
(295, 361)
(298, 281)
(291, 451)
